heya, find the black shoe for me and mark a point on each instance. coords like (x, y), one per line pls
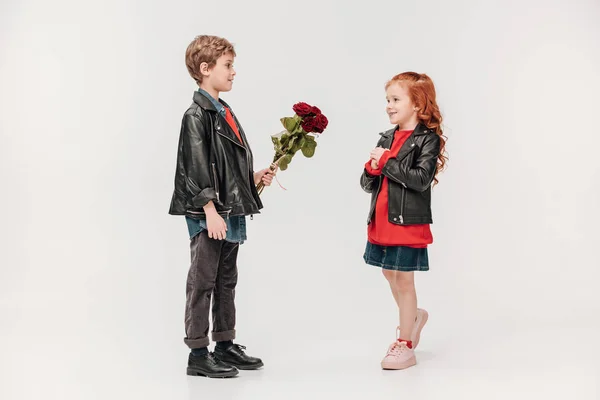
(234, 355)
(208, 365)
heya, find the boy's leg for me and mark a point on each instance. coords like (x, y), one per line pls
(224, 313)
(223, 309)
(206, 253)
(205, 256)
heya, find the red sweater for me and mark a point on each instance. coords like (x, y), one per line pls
(380, 230)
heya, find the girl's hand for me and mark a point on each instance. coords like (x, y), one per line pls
(374, 164)
(377, 152)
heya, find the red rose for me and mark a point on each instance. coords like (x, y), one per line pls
(308, 124)
(315, 110)
(320, 123)
(302, 109)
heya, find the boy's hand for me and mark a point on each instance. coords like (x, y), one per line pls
(266, 175)
(374, 164)
(217, 228)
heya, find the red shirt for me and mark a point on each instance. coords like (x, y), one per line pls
(381, 231)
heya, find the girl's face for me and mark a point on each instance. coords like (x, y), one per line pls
(400, 108)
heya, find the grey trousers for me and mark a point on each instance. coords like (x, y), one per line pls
(213, 274)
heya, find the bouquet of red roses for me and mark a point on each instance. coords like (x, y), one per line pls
(300, 133)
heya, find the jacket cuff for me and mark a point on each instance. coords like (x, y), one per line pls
(202, 198)
(384, 159)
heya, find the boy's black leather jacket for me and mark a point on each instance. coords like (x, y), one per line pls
(410, 175)
(212, 165)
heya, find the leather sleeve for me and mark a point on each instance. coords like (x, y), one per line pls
(369, 176)
(196, 162)
(419, 176)
(367, 181)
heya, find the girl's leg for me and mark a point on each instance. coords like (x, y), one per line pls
(407, 299)
(400, 354)
(391, 278)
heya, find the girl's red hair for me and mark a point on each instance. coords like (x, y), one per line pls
(422, 93)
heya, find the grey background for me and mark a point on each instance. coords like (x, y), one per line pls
(92, 268)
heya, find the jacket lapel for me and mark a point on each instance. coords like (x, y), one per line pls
(227, 130)
(410, 144)
(222, 127)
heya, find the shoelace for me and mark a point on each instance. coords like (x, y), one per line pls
(397, 348)
(240, 347)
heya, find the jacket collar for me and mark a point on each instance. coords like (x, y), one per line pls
(221, 126)
(206, 103)
(410, 143)
(420, 129)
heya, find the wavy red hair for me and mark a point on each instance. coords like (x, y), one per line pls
(422, 94)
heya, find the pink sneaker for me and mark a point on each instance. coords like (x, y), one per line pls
(422, 317)
(399, 356)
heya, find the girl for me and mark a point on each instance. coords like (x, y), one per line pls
(399, 176)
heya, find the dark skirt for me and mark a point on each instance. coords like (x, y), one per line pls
(397, 258)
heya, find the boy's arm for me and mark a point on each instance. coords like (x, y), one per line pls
(420, 176)
(196, 160)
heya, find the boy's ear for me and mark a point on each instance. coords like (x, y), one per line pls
(204, 70)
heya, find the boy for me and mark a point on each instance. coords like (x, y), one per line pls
(215, 188)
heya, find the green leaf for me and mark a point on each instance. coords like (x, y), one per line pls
(295, 149)
(276, 142)
(309, 147)
(290, 123)
(299, 131)
(297, 145)
(285, 161)
(284, 143)
(291, 142)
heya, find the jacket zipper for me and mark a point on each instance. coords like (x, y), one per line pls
(402, 206)
(202, 213)
(214, 171)
(412, 147)
(243, 147)
(376, 195)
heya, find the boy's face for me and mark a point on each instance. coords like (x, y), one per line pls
(220, 77)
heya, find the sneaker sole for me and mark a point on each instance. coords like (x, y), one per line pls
(195, 372)
(418, 333)
(406, 364)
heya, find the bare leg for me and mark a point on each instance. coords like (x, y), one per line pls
(391, 278)
(407, 295)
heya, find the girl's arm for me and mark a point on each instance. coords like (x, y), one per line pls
(370, 175)
(367, 181)
(420, 176)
